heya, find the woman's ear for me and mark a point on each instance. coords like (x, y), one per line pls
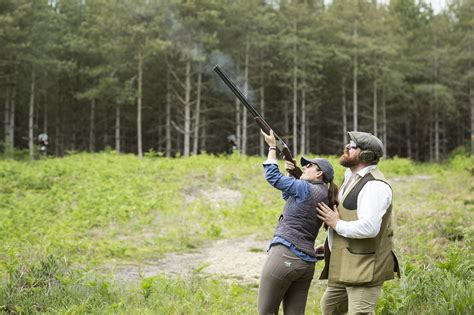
(320, 174)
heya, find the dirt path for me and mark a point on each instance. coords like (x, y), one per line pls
(241, 259)
(237, 258)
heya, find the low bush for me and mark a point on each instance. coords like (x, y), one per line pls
(443, 287)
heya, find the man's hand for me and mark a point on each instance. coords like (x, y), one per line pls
(328, 216)
(269, 139)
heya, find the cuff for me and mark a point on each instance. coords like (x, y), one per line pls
(270, 161)
(340, 227)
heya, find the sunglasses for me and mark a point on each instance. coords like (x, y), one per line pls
(311, 165)
(352, 145)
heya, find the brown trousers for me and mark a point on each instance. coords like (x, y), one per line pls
(287, 278)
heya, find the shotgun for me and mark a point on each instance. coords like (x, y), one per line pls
(281, 146)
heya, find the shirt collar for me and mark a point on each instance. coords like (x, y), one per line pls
(363, 171)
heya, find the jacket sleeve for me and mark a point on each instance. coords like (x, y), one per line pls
(289, 186)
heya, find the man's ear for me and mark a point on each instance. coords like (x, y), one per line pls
(319, 174)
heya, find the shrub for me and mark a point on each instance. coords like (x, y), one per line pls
(31, 285)
(433, 288)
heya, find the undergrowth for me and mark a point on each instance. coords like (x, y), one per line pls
(61, 218)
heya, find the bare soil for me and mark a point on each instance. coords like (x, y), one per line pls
(238, 258)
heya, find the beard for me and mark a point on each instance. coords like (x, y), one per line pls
(347, 161)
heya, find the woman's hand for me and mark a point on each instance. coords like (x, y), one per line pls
(269, 139)
(319, 250)
(289, 166)
(328, 215)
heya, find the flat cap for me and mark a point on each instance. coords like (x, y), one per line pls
(323, 165)
(367, 141)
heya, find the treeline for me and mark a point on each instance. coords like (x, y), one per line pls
(137, 75)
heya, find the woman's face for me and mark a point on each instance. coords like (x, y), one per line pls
(311, 172)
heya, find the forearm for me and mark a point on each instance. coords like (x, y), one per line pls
(288, 185)
(271, 153)
(357, 229)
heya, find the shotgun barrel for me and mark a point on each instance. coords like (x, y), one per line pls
(280, 144)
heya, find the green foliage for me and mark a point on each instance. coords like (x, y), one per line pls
(33, 286)
(397, 166)
(443, 287)
(48, 285)
(62, 219)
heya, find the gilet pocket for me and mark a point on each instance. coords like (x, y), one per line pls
(356, 268)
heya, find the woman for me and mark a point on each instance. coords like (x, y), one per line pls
(289, 269)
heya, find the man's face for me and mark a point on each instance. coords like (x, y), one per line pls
(350, 156)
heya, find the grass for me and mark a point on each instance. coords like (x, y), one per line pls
(62, 218)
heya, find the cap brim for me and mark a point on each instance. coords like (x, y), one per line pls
(304, 161)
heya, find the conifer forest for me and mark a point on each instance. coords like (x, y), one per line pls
(136, 76)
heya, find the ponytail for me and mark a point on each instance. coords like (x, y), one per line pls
(332, 195)
(333, 191)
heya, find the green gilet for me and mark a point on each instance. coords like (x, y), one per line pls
(368, 261)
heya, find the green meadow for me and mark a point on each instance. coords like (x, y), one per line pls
(63, 219)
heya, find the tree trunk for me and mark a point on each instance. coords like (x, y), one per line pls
(375, 109)
(471, 95)
(203, 131)
(384, 122)
(198, 111)
(106, 128)
(187, 109)
(74, 136)
(354, 100)
(295, 93)
(262, 105)
(417, 139)
(430, 133)
(92, 128)
(31, 115)
(117, 128)
(6, 121)
(436, 132)
(344, 113)
(58, 129)
(303, 120)
(45, 116)
(168, 113)
(11, 143)
(246, 92)
(286, 121)
(436, 114)
(471, 102)
(308, 135)
(139, 104)
(408, 133)
(238, 122)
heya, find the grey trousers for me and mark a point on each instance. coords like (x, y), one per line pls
(287, 278)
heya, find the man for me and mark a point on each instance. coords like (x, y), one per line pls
(358, 250)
